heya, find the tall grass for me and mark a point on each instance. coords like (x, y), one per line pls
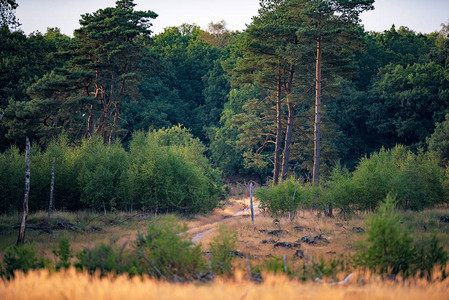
(72, 285)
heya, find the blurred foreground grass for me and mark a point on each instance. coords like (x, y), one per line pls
(73, 285)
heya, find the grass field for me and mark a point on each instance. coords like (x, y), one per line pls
(85, 229)
(92, 228)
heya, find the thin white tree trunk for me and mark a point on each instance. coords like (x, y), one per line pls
(52, 188)
(21, 238)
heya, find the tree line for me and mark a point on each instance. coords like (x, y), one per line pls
(302, 87)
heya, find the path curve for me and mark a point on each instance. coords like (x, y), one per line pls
(197, 237)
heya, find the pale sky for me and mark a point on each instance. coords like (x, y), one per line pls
(36, 15)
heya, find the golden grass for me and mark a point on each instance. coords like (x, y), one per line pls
(72, 285)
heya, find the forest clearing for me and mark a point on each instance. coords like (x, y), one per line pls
(340, 236)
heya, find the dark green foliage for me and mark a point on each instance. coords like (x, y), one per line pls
(430, 253)
(100, 168)
(187, 63)
(63, 253)
(438, 142)
(12, 183)
(221, 247)
(166, 252)
(23, 258)
(107, 258)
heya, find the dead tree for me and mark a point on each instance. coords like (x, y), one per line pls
(52, 187)
(21, 238)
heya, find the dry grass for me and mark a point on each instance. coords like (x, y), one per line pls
(71, 285)
(342, 239)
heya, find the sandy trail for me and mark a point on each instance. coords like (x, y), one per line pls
(203, 230)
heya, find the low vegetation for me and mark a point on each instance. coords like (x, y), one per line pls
(416, 181)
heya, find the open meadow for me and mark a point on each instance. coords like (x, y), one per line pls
(259, 249)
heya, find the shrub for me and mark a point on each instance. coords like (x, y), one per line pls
(63, 253)
(340, 191)
(12, 183)
(438, 142)
(23, 258)
(107, 258)
(100, 170)
(166, 252)
(170, 173)
(389, 247)
(282, 198)
(416, 180)
(430, 254)
(221, 248)
(165, 170)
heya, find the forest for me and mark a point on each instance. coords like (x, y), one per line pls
(143, 131)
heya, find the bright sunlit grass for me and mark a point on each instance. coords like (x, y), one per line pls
(71, 285)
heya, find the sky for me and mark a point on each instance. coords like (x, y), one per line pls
(36, 15)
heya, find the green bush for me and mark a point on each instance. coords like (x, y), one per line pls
(12, 183)
(166, 252)
(23, 258)
(282, 198)
(438, 142)
(390, 249)
(431, 253)
(416, 180)
(107, 258)
(100, 170)
(165, 170)
(221, 248)
(168, 172)
(63, 254)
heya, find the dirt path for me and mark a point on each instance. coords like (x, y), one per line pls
(208, 228)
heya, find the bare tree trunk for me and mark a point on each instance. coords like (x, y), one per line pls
(115, 124)
(21, 238)
(289, 129)
(288, 140)
(316, 131)
(277, 149)
(52, 187)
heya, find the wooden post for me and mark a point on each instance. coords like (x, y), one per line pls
(21, 238)
(52, 187)
(251, 201)
(284, 258)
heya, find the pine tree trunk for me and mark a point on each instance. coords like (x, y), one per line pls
(21, 237)
(277, 149)
(288, 140)
(289, 129)
(316, 131)
(115, 124)
(52, 187)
